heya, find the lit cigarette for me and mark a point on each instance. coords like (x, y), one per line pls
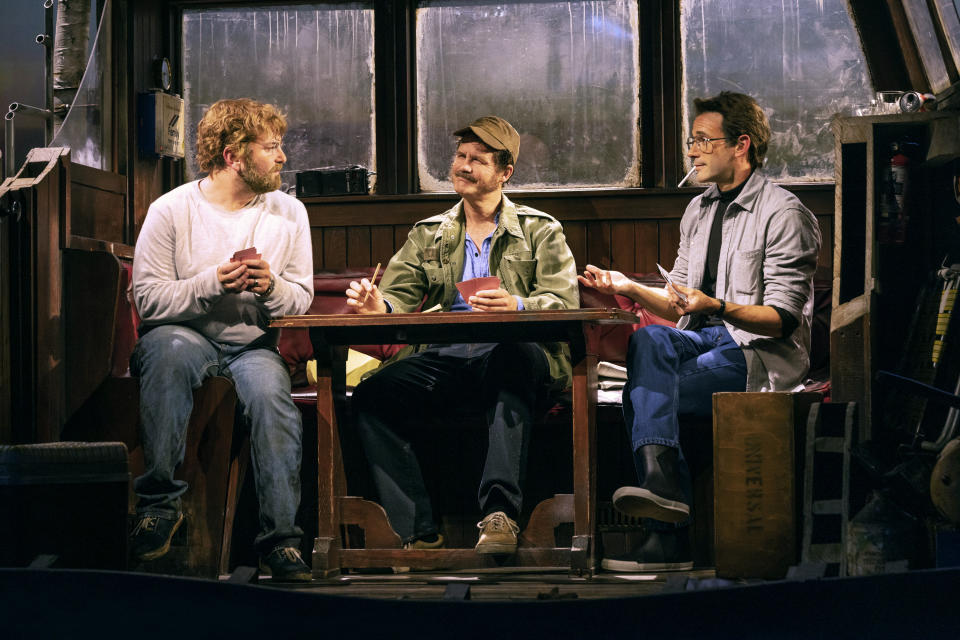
(686, 177)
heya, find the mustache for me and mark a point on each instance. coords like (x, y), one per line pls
(465, 176)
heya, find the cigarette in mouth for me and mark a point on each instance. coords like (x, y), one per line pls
(686, 177)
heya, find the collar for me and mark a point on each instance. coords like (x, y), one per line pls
(749, 192)
(508, 219)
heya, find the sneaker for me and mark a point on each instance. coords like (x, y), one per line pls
(150, 538)
(640, 502)
(285, 564)
(660, 551)
(498, 534)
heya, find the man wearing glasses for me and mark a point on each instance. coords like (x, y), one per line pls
(216, 259)
(743, 302)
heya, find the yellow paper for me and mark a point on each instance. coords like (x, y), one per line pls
(357, 365)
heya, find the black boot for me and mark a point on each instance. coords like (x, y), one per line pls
(660, 497)
(660, 551)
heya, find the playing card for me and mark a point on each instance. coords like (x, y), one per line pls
(469, 288)
(666, 276)
(249, 253)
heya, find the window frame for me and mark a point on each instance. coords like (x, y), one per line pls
(659, 126)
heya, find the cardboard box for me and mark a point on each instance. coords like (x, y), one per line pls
(757, 454)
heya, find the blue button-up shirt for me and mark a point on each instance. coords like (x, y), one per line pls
(476, 264)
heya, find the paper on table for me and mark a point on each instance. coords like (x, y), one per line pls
(357, 364)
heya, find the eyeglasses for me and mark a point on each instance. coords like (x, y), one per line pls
(704, 144)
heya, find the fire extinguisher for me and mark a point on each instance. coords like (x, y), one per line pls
(893, 217)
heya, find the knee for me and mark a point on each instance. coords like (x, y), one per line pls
(646, 339)
(168, 349)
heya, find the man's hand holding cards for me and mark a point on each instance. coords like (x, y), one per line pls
(251, 274)
(250, 253)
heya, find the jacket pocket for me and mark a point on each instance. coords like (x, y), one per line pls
(434, 275)
(746, 272)
(518, 275)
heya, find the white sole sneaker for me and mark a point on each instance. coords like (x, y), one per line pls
(634, 566)
(642, 503)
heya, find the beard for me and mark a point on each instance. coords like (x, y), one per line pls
(260, 181)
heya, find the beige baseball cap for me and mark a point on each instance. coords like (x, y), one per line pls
(496, 133)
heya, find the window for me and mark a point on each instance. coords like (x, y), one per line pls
(315, 62)
(86, 127)
(564, 74)
(801, 60)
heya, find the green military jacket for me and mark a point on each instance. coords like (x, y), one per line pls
(528, 253)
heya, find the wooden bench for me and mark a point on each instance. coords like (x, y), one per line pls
(104, 407)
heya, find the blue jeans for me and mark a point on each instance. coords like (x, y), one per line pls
(672, 372)
(171, 361)
(506, 382)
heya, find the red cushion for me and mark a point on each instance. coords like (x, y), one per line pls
(328, 298)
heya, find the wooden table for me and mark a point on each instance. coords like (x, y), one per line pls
(580, 328)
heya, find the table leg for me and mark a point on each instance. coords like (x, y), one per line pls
(330, 475)
(583, 555)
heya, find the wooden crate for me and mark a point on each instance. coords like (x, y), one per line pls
(757, 463)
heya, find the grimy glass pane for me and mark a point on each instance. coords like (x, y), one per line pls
(83, 128)
(564, 74)
(801, 60)
(315, 62)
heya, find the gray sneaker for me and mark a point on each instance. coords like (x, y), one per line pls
(498, 534)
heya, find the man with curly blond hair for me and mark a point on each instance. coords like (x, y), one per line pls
(216, 259)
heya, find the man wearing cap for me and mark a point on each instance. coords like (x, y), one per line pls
(484, 234)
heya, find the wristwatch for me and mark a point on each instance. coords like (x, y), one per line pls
(269, 288)
(718, 313)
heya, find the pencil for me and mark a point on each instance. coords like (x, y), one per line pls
(372, 281)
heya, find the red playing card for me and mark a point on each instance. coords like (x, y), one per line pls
(249, 253)
(469, 288)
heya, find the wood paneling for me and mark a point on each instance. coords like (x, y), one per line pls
(610, 231)
(335, 249)
(358, 246)
(647, 243)
(669, 242)
(98, 204)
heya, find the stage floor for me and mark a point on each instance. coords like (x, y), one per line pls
(514, 584)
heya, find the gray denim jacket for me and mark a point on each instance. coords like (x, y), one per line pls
(768, 257)
(528, 252)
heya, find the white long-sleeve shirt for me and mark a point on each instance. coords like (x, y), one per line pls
(185, 238)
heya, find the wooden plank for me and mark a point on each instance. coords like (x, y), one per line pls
(335, 249)
(381, 244)
(97, 213)
(358, 247)
(669, 243)
(576, 234)
(316, 240)
(623, 248)
(400, 233)
(598, 244)
(574, 205)
(647, 243)
(825, 259)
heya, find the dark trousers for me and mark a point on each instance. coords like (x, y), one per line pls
(504, 382)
